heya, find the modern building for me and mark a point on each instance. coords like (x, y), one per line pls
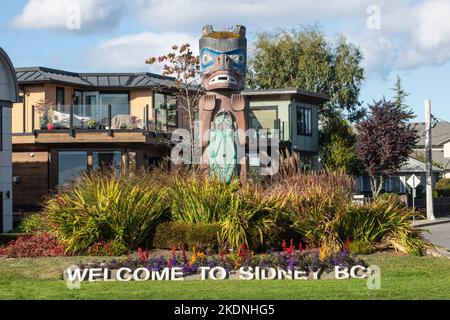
(295, 113)
(8, 95)
(67, 122)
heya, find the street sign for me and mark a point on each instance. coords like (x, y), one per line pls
(413, 181)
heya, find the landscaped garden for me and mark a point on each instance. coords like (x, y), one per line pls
(156, 219)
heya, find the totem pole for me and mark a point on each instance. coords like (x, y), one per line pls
(223, 117)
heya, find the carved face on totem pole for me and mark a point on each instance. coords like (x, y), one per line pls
(223, 58)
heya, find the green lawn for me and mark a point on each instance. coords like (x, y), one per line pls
(403, 277)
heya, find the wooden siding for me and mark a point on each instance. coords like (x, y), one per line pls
(32, 168)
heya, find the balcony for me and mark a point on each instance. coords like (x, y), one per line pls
(98, 123)
(103, 117)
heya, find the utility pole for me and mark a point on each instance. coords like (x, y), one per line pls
(429, 167)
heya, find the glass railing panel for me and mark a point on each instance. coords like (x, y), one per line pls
(98, 117)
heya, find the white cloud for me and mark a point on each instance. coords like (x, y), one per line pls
(412, 33)
(130, 52)
(82, 16)
(192, 14)
(430, 39)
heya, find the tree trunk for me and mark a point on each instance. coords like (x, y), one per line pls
(376, 186)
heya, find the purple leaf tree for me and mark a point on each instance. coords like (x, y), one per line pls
(385, 141)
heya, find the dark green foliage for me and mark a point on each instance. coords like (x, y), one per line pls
(186, 235)
(34, 223)
(443, 187)
(306, 59)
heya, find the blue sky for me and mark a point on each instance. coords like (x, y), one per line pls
(409, 37)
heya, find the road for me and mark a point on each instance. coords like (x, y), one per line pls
(439, 235)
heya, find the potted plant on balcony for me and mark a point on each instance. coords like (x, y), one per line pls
(91, 124)
(50, 125)
(43, 108)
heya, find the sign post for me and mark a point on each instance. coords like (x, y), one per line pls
(413, 182)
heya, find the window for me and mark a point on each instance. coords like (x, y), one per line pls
(70, 165)
(264, 118)
(107, 160)
(166, 110)
(304, 121)
(119, 103)
(60, 96)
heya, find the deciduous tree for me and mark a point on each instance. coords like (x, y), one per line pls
(385, 141)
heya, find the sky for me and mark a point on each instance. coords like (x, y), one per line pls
(406, 37)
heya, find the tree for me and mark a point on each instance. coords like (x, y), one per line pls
(305, 59)
(400, 94)
(338, 147)
(385, 141)
(184, 66)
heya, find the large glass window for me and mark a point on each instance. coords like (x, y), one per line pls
(304, 121)
(70, 165)
(119, 106)
(166, 111)
(264, 118)
(105, 160)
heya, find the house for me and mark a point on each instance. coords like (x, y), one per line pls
(8, 95)
(295, 113)
(398, 183)
(67, 122)
(440, 139)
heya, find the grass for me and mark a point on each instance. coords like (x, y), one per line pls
(403, 277)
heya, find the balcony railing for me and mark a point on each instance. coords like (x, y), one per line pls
(103, 117)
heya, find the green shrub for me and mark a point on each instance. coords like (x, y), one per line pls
(34, 223)
(237, 209)
(201, 199)
(111, 248)
(360, 247)
(186, 235)
(106, 207)
(443, 187)
(384, 221)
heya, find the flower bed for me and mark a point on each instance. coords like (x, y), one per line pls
(191, 265)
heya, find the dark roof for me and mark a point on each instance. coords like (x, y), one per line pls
(413, 165)
(93, 80)
(439, 134)
(288, 94)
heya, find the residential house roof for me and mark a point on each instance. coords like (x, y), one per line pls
(36, 75)
(416, 166)
(440, 134)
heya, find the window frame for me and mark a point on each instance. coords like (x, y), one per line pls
(59, 90)
(306, 129)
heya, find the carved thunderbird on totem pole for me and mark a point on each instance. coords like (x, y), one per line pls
(223, 56)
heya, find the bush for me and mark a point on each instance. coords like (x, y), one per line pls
(34, 223)
(360, 247)
(40, 245)
(186, 235)
(443, 187)
(111, 248)
(106, 207)
(384, 221)
(201, 199)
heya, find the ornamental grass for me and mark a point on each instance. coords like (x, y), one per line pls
(123, 212)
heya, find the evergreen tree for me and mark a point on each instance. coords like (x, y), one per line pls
(400, 95)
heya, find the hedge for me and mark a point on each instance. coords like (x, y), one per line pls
(186, 235)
